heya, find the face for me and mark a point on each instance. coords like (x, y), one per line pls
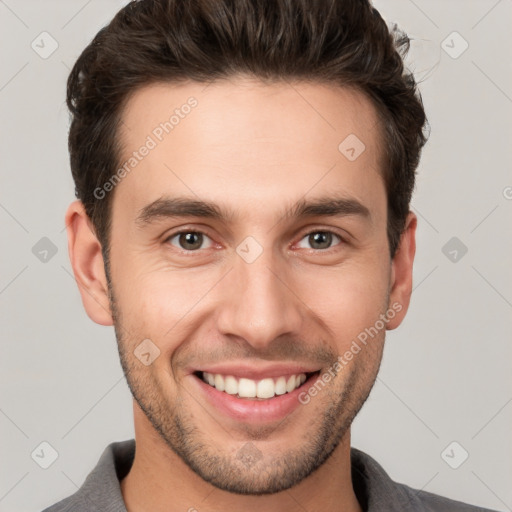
(248, 254)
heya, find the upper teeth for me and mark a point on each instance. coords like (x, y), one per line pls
(248, 388)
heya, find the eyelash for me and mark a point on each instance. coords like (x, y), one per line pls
(185, 252)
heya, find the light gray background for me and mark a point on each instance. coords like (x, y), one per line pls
(446, 372)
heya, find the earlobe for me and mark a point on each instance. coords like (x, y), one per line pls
(87, 262)
(401, 272)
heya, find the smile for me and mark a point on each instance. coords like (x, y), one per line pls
(261, 399)
(249, 388)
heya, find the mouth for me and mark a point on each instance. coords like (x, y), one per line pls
(256, 389)
(251, 401)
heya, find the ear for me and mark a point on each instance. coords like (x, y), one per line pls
(401, 272)
(88, 265)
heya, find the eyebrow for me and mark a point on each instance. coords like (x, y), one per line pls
(171, 207)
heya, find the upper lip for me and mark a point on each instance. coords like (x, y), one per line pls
(257, 372)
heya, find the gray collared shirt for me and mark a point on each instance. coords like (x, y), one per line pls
(375, 491)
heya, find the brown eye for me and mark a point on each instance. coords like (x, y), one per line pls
(320, 240)
(188, 240)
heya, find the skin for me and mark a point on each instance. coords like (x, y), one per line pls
(255, 148)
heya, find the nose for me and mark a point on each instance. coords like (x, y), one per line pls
(259, 302)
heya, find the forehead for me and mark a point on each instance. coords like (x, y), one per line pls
(244, 141)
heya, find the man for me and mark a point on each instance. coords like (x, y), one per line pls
(244, 171)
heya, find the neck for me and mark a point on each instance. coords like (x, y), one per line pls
(160, 481)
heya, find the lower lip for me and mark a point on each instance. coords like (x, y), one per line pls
(254, 411)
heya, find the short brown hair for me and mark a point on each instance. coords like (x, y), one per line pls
(345, 42)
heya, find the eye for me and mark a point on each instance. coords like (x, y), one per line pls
(189, 240)
(320, 239)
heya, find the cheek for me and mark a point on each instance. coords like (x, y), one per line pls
(347, 299)
(160, 304)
